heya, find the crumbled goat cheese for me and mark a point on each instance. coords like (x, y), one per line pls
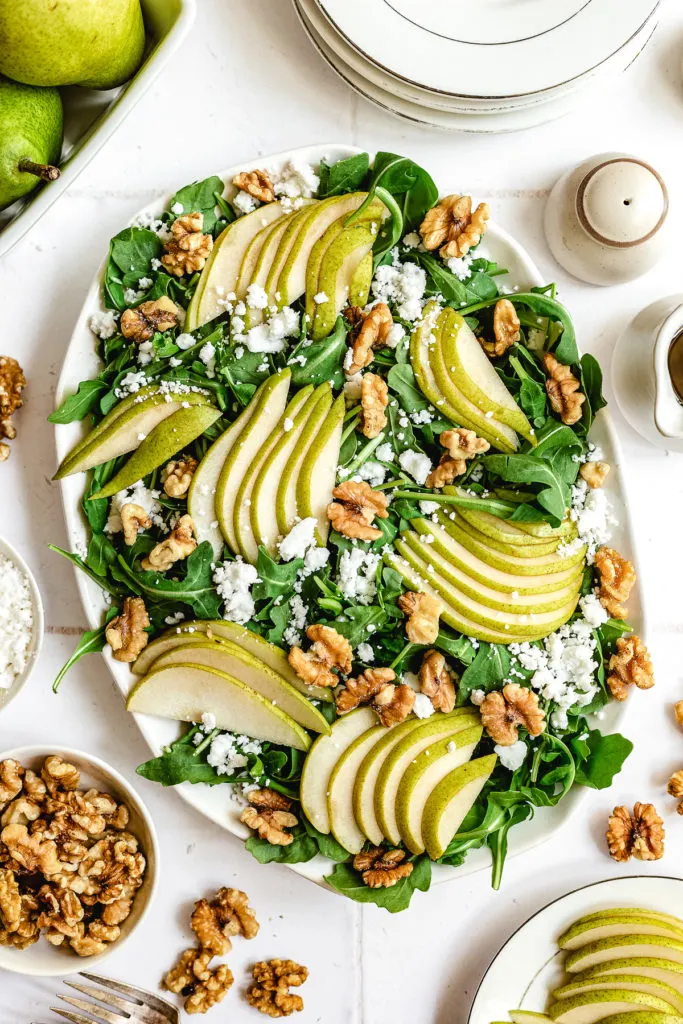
(298, 612)
(208, 721)
(559, 719)
(564, 667)
(412, 240)
(592, 611)
(155, 264)
(145, 352)
(207, 354)
(130, 384)
(293, 183)
(411, 680)
(357, 575)
(174, 619)
(104, 324)
(149, 222)
(140, 495)
(365, 652)
(177, 208)
(352, 387)
(131, 295)
(320, 298)
(478, 697)
(460, 266)
(229, 752)
(145, 283)
(402, 284)
(299, 539)
(257, 297)
(423, 707)
(395, 336)
(234, 581)
(385, 452)
(416, 464)
(428, 507)
(315, 559)
(16, 622)
(185, 341)
(422, 416)
(591, 512)
(244, 202)
(374, 472)
(270, 336)
(512, 757)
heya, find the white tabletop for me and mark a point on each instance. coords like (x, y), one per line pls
(248, 83)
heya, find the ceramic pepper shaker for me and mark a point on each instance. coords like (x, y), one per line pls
(606, 220)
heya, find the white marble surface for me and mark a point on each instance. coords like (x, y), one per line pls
(247, 83)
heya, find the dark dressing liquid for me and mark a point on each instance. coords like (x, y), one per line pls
(676, 365)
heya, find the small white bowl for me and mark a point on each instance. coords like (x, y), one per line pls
(41, 959)
(6, 695)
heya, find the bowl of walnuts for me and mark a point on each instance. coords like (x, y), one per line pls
(78, 860)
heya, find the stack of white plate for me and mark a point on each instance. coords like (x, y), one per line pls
(478, 65)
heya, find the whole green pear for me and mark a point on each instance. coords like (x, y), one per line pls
(31, 128)
(94, 43)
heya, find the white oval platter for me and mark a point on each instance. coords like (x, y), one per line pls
(529, 965)
(81, 362)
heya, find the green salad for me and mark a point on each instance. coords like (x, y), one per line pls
(343, 505)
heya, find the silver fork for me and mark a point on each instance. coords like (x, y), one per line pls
(130, 1005)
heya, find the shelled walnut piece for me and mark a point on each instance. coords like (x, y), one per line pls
(423, 612)
(374, 398)
(461, 445)
(617, 578)
(452, 227)
(594, 473)
(126, 634)
(156, 315)
(269, 816)
(328, 651)
(257, 184)
(355, 508)
(363, 689)
(504, 711)
(269, 992)
(630, 665)
(133, 519)
(69, 870)
(179, 545)
(675, 788)
(369, 330)
(640, 835)
(189, 248)
(394, 703)
(436, 681)
(505, 329)
(177, 476)
(12, 383)
(563, 390)
(678, 712)
(380, 869)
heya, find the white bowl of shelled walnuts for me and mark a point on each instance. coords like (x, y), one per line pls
(78, 860)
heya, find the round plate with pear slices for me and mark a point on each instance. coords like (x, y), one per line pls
(246, 662)
(610, 951)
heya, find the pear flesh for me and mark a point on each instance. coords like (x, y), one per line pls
(599, 927)
(31, 131)
(340, 793)
(450, 802)
(183, 692)
(591, 1007)
(624, 946)
(627, 982)
(73, 42)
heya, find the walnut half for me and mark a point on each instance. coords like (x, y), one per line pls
(126, 633)
(504, 711)
(423, 612)
(639, 835)
(269, 992)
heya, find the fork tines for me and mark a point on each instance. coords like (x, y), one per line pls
(119, 1003)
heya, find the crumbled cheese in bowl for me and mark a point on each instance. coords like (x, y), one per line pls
(16, 622)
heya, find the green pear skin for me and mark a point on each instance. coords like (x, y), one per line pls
(31, 131)
(94, 43)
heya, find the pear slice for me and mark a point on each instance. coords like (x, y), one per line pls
(677, 922)
(226, 656)
(318, 472)
(263, 509)
(605, 926)
(286, 506)
(628, 982)
(667, 971)
(528, 1017)
(642, 1017)
(247, 541)
(291, 283)
(271, 404)
(450, 802)
(421, 777)
(166, 439)
(519, 550)
(489, 596)
(340, 791)
(321, 761)
(473, 373)
(273, 657)
(624, 946)
(221, 271)
(403, 754)
(359, 290)
(338, 276)
(184, 692)
(274, 238)
(508, 531)
(121, 429)
(477, 569)
(591, 1007)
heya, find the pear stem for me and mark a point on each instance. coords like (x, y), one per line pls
(47, 172)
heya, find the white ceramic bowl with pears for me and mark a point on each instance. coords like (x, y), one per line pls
(42, 959)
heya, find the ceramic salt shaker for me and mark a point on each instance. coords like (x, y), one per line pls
(606, 220)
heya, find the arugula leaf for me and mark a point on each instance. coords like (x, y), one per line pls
(490, 666)
(591, 385)
(344, 176)
(181, 763)
(324, 358)
(76, 407)
(195, 588)
(605, 759)
(554, 495)
(276, 579)
(357, 619)
(93, 640)
(409, 183)
(459, 647)
(101, 553)
(441, 281)
(394, 899)
(130, 256)
(303, 848)
(200, 197)
(327, 844)
(401, 380)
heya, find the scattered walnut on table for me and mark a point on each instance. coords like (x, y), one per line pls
(504, 711)
(156, 315)
(177, 476)
(617, 577)
(423, 612)
(209, 992)
(269, 992)
(188, 249)
(675, 788)
(380, 868)
(179, 545)
(369, 331)
(257, 184)
(505, 329)
(355, 508)
(329, 650)
(639, 835)
(12, 383)
(133, 519)
(678, 712)
(437, 682)
(563, 390)
(374, 398)
(630, 665)
(363, 689)
(126, 634)
(594, 473)
(269, 815)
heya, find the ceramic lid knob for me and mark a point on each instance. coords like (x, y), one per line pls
(622, 202)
